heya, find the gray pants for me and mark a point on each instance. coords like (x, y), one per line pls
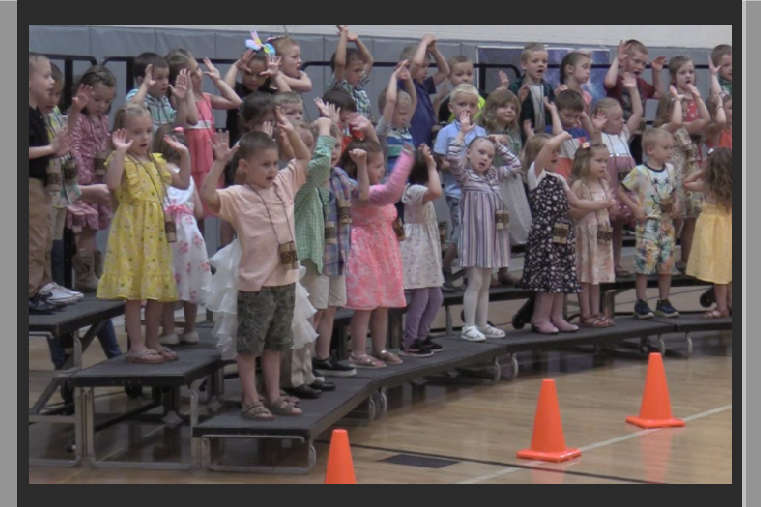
(296, 368)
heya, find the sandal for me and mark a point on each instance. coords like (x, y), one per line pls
(290, 398)
(507, 280)
(366, 362)
(147, 356)
(714, 315)
(622, 273)
(592, 322)
(167, 354)
(257, 412)
(284, 408)
(608, 322)
(388, 358)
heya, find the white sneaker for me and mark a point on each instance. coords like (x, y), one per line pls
(56, 295)
(190, 339)
(491, 333)
(472, 334)
(169, 340)
(72, 293)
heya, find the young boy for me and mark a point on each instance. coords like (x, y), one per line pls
(346, 116)
(533, 89)
(398, 107)
(655, 187)
(569, 115)
(263, 216)
(351, 69)
(464, 99)
(425, 116)
(292, 106)
(152, 73)
(462, 71)
(41, 150)
(633, 58)
(721, 59)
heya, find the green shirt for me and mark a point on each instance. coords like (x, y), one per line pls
(726, 85)
(310, 206)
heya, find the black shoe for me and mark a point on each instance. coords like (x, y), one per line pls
(304, 392)
(322, 385)
(40, 306)
(430, 344)
(332, 368)
(448, 281)
(417, 349)
(642, 311)
(666, 310)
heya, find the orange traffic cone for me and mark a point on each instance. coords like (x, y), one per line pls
(548, 443)
(656, 404)
(340, 463)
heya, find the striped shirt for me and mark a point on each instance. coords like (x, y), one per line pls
(358, 93)
(160, 108)
(393, 140)
(337, 256)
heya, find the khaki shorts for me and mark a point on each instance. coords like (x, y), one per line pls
(324, 291)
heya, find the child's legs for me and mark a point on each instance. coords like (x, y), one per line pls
(476, 282)
(435, 301)
(722, 298)
(247, 373)
(558, 305)
(108, 341)
(325, 330)
(167, 319)
(664, 286)
(543, 302)
(482, 308)
(271, 370)
(688, 233)
(642, 281)
(618, 242)
(153, 312)
(585, 300)
(191, 316)
(450, 255)
(317, 318)
(415, 311)
(134, 324)
(360, 324)
(39, 202)
(454, 214)
(379, 328)
(594, 300)
(87, 240)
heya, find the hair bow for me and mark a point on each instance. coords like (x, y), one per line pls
(586, 146)
(710, 151)
(255, 44)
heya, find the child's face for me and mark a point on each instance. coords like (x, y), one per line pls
(140, 132)
(636, 63)
(462, 73)
(582, 72)
(570, 118)
(354, 72)
(464, 103)
(599, 163)
(725, 67)
(344, 117)
(290, 64)
(260, 169)
(536, 65)
(662, 151)
(506, 114)
(422, 73)
(615, 124)
(54, 98)
(251, 76)
(294, 112)
(376, 167)
(196, 75)
(41, 81)
(685, 76)
(403, 114)
(161, 76)
(335, 153)
(481, 155)
(103, 97)
(552, 165)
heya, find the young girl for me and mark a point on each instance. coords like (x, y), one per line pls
(90, 149)
(720, 130)
(485, 243)
(616, 135)
(192, 270)
(199, 137)
(550, 266)
(594, 239)
(500, 118)
(374, 274)
(575, 72)
(421, 255)
(711, 259)
(139, 260)
(289, 52)
(690, 137)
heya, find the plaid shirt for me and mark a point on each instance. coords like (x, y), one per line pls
(337, 256)
(68, 194)
(310, 203)
(358, 93)
(726, 85)
(161, 109)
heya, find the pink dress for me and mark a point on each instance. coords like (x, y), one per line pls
(374, 273)
(199, 138)
(89, 139)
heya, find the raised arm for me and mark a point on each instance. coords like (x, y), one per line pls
(547, 151)
(228, 99)
(657, 67)
(302, 84)
(698, 127)
(180, 180)
(78, 104)
(339, 63)
(300, 151)
(435, 191)
(675, 123)
(392, 190)
(319, 166)
(222, 156)
(115, 173)
(367, 57)
(638, 110)
(611, 78)
(557, 124)
(241, 65)
(142, 92)
(455, 150)
(511, 162)
(391, 96)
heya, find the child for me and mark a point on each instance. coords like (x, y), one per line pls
(351, 69)
(462, 71)
(568, 114)
(374, 275)
(711, 259)
(594, 240)
(425, 115)
(152, 72)
(719, 134)
(41, 150)
(262, 214)
(575, 72)
(485, 243)
(464, 99)
(398, 107)
(89, 148)
(192, 270)
(632, 58)
(289, 52)
(292, 106)
(421, 256)
(550, 265)
(658, 205)
(617, 135)
(199, 137)
(500, 118)
(720, 64)
(533, 90)
(139, 260)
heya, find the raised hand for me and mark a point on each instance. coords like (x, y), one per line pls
(148, 78)
(211, 71)
(180, 89)
(675, 93)
(623, 49)
(658, 64)
(60, 143)
(466, 124)
(694, 91)
(629, 80)
(328, 110)
(550, 106)
(523, 92)
(245, 60)
(561, 88)
(427, 154)
(273, 67)
(323, 125)
(599, 121)
(283, 123)
(402, 71)
(503, 79)
(359, 157)
(221, 146)
(713, 69)
(119, 140)
(82, 98)
(176, 145)
(268, 128)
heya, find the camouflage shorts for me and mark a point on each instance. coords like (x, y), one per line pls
(656, 246)
(265, 319)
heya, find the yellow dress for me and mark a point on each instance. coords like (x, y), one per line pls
(711, 256)
(138, 263)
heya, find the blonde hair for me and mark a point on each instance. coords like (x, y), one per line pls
(533, 148)
(161, 147)
(653, 136)
(664, 111)
(718, 175)
(499, 98)
(401, 97)
(582, 162)
(283, 44)
(605, 105)
(530, 49)
(464, 89)
(636, 46)
(283, 98)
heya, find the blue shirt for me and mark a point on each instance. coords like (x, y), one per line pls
(446, 136)
(424, 120)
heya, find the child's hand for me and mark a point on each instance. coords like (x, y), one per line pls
(675, 93)
(523, 92)
(283, 123)
(565, 136)
(60, 143)
(359, 157)
(245, 60)
(180, 89)
(433, 45)
(268, 128)
(82, 98)
(148, 80)
(713, 69)
(640, 215)
(221, 146)
(273, 68)
(499, 140)
(629, 80)
(176, 145)
(428, 155)
(717, 100)
(561, 88)
(342, 29)
(98, 194)
(211, 71)
(119, 140)
(694, 91)
(328, 110)
(504, 80)
(428, 39)
(658, 64)
(623, 50)
(466, 124)
(360, 123)
(599, 121)
(402, 71)
(323, 125)
(551, 107)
